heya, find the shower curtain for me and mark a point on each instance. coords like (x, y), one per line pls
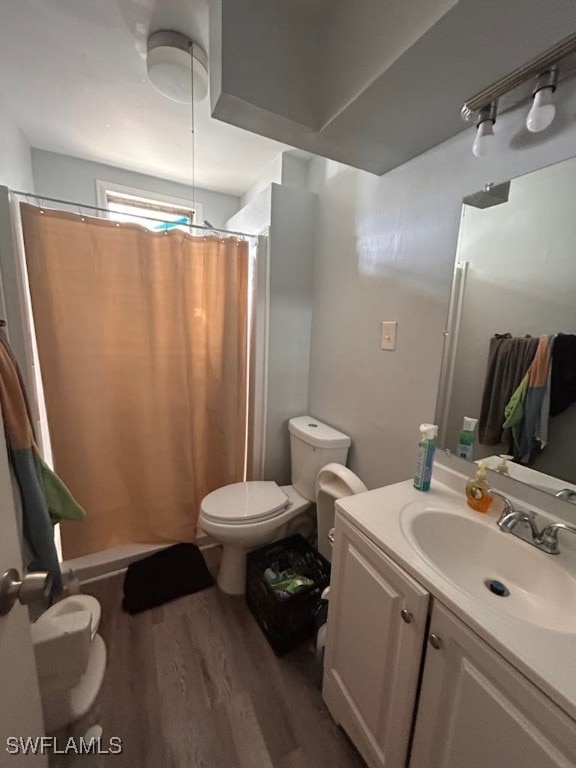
(142, 341)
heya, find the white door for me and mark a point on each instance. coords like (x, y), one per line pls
(376, 629)
(20, 707)
(477, 711)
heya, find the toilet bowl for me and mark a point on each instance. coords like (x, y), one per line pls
(243, 516)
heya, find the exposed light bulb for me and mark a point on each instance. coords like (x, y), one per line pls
(484, 139)
(542, 110)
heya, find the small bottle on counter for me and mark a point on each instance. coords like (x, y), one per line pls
(477, 490)
(466, 441)
(425, 456)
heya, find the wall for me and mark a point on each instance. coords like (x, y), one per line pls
(289, 169)
(15, 173)
(70, 178)
(289, 213)
(385, 250)
(364, 38)
(15, 160)
(520, 279)
(269, 55)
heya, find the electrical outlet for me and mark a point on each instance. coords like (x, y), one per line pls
(388, 335)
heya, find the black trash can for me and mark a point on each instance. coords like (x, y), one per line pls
(286, 619)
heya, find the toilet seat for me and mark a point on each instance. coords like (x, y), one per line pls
(241, 503)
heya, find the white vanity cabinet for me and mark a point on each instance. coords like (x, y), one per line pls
(376, 633)
(475, 710)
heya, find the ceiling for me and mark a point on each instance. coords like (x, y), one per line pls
(367, 83)
(74, 75)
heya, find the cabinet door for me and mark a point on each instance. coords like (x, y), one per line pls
(373, 655)
(477, 711)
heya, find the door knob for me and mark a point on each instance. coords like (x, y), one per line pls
(406, 616)
(33, 587)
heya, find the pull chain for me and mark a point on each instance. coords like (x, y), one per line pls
(193, 129)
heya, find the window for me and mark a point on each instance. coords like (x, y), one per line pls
(153, 211)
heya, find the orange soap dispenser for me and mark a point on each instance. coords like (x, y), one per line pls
(477, 490)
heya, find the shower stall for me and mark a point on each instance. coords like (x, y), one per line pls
(138, 350)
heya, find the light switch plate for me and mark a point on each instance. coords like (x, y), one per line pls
(388, 335)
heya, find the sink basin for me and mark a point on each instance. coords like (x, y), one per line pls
(471, 553)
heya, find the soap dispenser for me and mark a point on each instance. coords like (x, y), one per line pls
(478, 490)
(502, 468)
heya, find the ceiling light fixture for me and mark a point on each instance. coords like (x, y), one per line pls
(484, 139)
(170, 58)
(543, 109)
(548, 68)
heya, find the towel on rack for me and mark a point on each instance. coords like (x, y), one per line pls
(42, 493)
(508, 360)
(528, 409)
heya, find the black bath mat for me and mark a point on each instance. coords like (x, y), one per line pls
(174, 572)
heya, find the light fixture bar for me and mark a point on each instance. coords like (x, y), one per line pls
(532, 69)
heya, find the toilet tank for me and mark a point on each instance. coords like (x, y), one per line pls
(312, 446)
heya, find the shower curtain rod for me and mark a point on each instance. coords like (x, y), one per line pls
(82, 206)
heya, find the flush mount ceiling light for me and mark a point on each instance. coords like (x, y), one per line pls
(170, 60)
(512, 89)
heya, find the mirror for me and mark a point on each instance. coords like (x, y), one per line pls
(515, 277)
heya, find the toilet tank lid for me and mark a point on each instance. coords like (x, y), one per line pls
(316, 433)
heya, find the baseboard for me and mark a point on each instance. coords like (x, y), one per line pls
(117, 559)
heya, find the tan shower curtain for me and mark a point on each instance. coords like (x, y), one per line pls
(142, 341)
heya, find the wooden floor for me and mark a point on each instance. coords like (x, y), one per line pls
(194, 684)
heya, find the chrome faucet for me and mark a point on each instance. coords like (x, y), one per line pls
(517, 521)
(522, 524)
(547, 541)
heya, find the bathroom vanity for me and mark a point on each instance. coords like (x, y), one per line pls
(425, 666)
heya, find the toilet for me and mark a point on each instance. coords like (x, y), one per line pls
(243, 516)
(70, 659)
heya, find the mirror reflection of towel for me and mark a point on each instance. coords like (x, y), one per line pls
(508, 361)
(528, 410)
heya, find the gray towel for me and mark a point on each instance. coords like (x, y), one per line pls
(508, 360)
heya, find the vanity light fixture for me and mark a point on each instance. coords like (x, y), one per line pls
(543, 109)
(484, 139)
(548, 68)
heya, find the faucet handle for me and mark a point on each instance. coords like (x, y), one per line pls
(567, 494)
(548, 538)
(509, 508)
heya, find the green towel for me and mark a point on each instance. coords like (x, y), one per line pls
(61, 504)
(514, 411)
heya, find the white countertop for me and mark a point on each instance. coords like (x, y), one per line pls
(546, 657)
